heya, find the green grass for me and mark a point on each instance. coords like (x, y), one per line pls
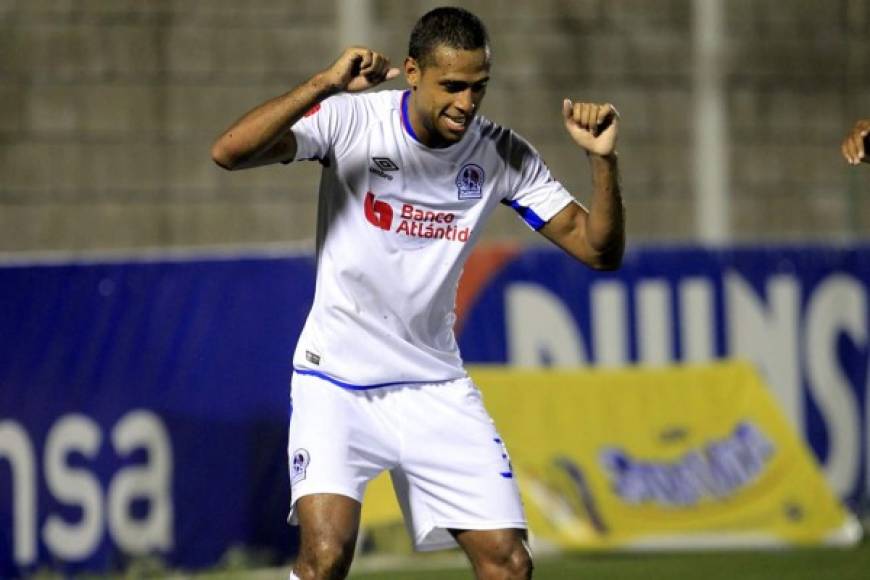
(809, 564)
(806, 564)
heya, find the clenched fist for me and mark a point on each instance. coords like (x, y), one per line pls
(855, 144)
(593, 126)
(358, 69)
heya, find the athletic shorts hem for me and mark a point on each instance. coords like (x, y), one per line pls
(437, 546)
(421, 545)
(291, 517)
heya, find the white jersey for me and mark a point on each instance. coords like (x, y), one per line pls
(396, 222)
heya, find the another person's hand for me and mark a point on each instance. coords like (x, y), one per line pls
(358, 69)
(855, 144)
(593, 126)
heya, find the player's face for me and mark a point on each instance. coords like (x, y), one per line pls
(447, 93)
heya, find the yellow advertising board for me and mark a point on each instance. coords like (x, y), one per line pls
(685, 457)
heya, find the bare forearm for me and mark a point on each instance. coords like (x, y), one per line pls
(605, 226)
(261, 128)
(263, 135)
(596, 237)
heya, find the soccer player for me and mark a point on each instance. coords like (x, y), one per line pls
(408, 179)
(855, 144)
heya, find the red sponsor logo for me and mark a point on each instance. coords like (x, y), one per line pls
(414, 221)
(312, 110)
(379, 213)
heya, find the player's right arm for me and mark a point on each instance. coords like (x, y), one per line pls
(263, 136)
(854, 145)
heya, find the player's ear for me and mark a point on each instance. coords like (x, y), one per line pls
(412, 72)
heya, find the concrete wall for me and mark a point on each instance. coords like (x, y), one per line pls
(108, 109)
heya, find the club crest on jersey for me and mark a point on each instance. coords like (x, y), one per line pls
(298, 465)
(469, 181)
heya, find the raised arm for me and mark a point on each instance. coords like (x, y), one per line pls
(595, 236)
(262, 136)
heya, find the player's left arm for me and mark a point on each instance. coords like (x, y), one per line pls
(595, 236)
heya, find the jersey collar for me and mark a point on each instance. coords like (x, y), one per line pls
(406, 121)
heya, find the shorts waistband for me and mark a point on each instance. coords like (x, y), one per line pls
(354, 387)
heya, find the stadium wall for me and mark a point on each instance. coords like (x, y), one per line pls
(109, 108)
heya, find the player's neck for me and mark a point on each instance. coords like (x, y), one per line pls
(419, 131)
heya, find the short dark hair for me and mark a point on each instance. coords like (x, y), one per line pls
(450, 26)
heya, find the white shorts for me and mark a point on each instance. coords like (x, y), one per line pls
(449, 467)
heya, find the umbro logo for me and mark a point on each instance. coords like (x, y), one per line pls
(382, 165)
(385, 164)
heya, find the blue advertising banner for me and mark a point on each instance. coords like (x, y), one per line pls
(143, 409)
(144, 404)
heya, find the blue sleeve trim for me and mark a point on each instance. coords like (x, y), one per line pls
(529, 216)
(352, 387)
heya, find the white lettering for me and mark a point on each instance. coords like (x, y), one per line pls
(837, 308)
(767, 334)
(152, 481)
(16, 448)
(73, 434)
(696, 320)
(609, 323)
(540, 330)
(77, 434)
(655, 346)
